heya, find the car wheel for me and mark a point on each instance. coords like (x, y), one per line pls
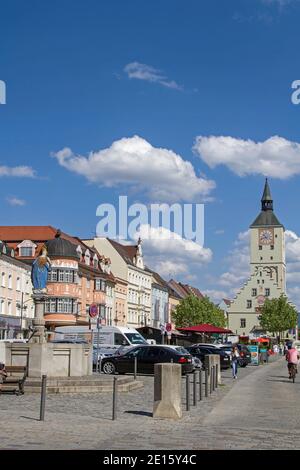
(109, 368)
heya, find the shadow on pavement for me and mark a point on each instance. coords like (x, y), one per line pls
(141, 413)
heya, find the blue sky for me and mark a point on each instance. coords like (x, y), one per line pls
(86, 75)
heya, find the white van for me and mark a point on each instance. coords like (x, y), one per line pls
(109, 339)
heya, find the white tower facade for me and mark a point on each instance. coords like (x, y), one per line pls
(267, 269)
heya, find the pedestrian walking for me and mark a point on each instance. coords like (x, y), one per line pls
(234, 361)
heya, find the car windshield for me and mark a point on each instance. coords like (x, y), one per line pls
(135, 338)
(181, 350)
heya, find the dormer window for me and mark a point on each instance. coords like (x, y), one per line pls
(27, 249)
(95, 261)
(87, 257)
(79, 252)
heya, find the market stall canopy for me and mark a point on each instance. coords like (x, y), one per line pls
(205, 328)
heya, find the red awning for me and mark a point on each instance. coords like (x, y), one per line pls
(204, 328)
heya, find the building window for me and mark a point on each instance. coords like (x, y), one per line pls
(10, 281)
(257, 281)
(61, 305)
(271, 257)
(18, 284)
(1, 306)
(249, 303)
(263, 281)
(261, 258)
(26, 251)
(260, 247)
(267, 292)
(9, 305)
(3, 280)
(243, 322)
(254, 292)
(272, 247)
(62, 275)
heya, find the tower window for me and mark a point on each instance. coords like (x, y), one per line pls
(257, 281)
(243, 322)
(260, 247)
(267, 292)
(272, 247)
(249, 303)
(254, 292)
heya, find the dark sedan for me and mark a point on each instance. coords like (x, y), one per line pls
(200, 351)
(147, 357)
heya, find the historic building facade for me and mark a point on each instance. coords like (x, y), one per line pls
(79, 276)
(129, 270)
(16, 305)
(267, 270)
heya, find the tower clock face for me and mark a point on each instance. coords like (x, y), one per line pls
(266, 237)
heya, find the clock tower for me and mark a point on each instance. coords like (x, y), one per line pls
(267, 270)
(267, 248)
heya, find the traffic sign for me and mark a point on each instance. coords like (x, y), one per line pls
(93, 310)
(168, 327)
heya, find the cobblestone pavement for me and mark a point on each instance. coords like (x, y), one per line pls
(257, 411)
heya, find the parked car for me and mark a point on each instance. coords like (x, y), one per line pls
(200, 351)
(147, 357)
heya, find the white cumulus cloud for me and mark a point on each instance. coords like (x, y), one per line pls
(17, 171)
(276, 157)
(160, 173)
(15, 201)
(169, 254)
(150, 74)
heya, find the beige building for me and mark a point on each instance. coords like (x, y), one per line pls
(267, 270)
(16, 305)
(127, 265)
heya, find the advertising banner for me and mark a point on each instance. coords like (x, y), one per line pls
(254, 355)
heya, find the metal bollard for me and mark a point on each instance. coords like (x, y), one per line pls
(115, 394)
(210, 380)
(206, 382)
(187, 391)
(213, 378)
(217, 375)
(43, 397)
(195, 389)
(135, 367)
(200, 385)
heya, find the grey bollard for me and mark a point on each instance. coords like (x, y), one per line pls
(167, 391)
(217, 375)
(210, 381)
(213, 377)
(206, 382)
(135, 367)
(43, 397)
(195, 388)
(187, 391)
(200, 385)
(115, 396)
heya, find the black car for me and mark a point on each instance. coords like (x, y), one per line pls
(200, 351)
(146, 356)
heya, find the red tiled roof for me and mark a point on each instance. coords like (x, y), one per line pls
(128, 252)
(183, 290)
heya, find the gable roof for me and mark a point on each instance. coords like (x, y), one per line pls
(127, 252)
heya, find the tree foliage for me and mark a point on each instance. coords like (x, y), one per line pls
(278, 315)
(194, 311)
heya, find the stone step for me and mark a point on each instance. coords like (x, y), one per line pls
(82, 386)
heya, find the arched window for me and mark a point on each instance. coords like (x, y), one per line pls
(18, 286)
(10, 281)
(3, 279)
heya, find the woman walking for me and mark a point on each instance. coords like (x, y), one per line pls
(234, 361)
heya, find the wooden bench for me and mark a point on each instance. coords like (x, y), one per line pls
(15, 380)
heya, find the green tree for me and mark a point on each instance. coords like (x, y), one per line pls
(278, 315)
(194, 311)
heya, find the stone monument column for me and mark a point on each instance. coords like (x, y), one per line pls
(38, 321)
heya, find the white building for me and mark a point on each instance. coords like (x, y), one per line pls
(127, 264)
(16, 305)
(267, 269)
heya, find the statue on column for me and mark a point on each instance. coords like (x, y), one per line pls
(39, 272)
